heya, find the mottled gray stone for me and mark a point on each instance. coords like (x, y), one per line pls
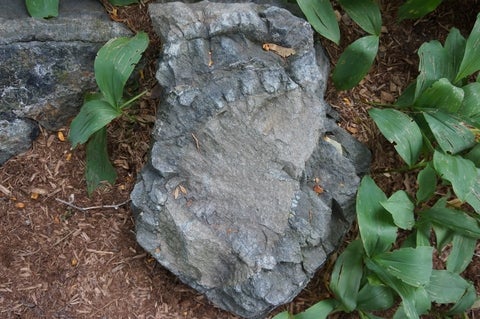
(46, 66)
(16, 135)
(227, 200)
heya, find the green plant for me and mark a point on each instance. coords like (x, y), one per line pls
(435, 126)
(42, 8)
(357, 59)
(49, 8)
(113, 66)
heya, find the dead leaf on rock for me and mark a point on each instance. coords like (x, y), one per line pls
(281, 51)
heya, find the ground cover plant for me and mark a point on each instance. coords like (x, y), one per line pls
(357, 59)
(113, 66)
(435, 126)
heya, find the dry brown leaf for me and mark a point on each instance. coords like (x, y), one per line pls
(60, 136)
(281, 51)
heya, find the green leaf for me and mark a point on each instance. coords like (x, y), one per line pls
(465, 302)
(374, 297)
(405, 291)
(377, 230)
(413, 266)
(94, 115)
(461, 172)
(474, 155)
(355, 62)
(455, 47)
(434, 64)
(400, 129)
(401, 208)
(447, 287)
(450, 133)
(283, 315)
(458, 221)
(347, 275)
(470, 108)
(115, 62)
(366, 13)
(414, 9)
(42, 8)
(422, 304)
(441, 95)
(321, 16)
(461, 254)
(408, 96)
(98, 166)
(471, 60)
(122, 2)
(427, 183)
(443, 236)
(422, 235)
(320, 310)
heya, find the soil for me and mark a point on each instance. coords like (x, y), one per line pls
(64, 254)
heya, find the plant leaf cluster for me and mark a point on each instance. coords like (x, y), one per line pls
(113, 66)
(357, 59)
(49, 8)
(435, 128)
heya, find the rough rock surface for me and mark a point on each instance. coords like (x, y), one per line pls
(231, 200)
(46, 66)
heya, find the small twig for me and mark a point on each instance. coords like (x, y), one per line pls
(83, 209)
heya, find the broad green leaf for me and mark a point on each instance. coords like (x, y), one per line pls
(441, 95)
(320, 310)
(98, 166)
(413, 266)
(450, 133)
(455, 47)
(377, 230)
(434, 64)
(122, 2)
(443, 236)
(355, 62)
(366, 13)
(427, 183)
(42, 8)
(458, 221)
(422, 234)
(461, 172)
(446, 287)
(401, 208)
(115, 62)
(422, 304)
(93, 115)
(321, 16)
(400, 129)
(405, 291)
(461, 254)
(413, 9)
(283, 315)
(474, 155)
(473, 197)
(407, 98)
(465, 302)
(373, 298)
(471, 60)
(470, 109)
(347, 274)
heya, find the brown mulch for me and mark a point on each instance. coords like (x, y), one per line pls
(57, 261)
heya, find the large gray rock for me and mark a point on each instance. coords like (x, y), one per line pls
(229, 200)
(46, 66)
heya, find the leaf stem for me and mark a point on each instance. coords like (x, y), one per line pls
(133, 99)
